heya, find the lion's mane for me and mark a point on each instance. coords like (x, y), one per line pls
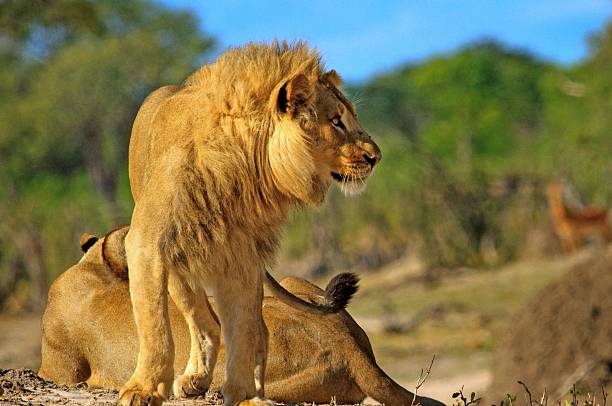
(247, 163)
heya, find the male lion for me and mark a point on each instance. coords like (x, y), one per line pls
(89, 335)
(215, 165)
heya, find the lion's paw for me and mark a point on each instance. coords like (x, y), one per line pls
(256, 402)
(134, 395)
(191, 385)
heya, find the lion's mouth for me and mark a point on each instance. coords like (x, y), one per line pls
(349, 178)
(337, 177)
(350, 184)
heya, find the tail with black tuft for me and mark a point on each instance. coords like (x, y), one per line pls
(340, 290)
(338, 293)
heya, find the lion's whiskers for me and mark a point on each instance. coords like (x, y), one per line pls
(351, 184)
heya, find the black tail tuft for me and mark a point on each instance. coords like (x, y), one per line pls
(340, 290)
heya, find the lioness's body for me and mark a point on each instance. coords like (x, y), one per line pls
(215, 166)
(89, 335)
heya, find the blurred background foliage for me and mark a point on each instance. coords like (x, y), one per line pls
(469, 140)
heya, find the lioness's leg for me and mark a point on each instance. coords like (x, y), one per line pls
(204, 336)
(239, 304)
(150, 382)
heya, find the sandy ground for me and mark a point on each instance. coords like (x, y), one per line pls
(20, 341)
(448, 374)
(442, 389)
(23, 387)
(20, 348)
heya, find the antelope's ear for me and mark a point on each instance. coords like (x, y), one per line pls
(293, 94)
(333, 77)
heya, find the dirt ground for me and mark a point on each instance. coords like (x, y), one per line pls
(23, 387)
(20, 356)
(20, 341)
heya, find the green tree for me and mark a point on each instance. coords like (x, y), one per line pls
(74, 74)
(453, 125)
(577, 138)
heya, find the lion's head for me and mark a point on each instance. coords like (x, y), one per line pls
(290, 114)
(318, 138)
(111, 251)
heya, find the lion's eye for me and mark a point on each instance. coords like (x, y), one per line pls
(337, 122)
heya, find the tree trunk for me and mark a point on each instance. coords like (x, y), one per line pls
(8, 283)
(103, 175)
(31, 249)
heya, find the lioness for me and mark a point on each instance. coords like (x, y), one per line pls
(89, 335)
(215, 166)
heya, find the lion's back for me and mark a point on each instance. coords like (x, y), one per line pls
(140, 140)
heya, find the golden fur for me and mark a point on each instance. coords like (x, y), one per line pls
(574, 226)
(89, 336)
(215, 165)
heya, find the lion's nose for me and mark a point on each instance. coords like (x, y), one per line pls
(371, 152)
(372, 159)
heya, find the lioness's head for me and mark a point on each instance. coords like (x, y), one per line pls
(318, 139)
(112, 250)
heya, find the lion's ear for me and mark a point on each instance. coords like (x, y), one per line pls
(333, 77)
(294, 93)
(86, 241)
(113, 252)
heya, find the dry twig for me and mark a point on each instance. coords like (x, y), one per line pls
(422, 378)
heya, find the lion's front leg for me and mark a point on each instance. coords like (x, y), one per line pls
(150, 382)
(239, 302)
(204, 335)
(261, 358)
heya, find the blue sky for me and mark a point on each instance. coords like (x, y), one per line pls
(361, 38)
